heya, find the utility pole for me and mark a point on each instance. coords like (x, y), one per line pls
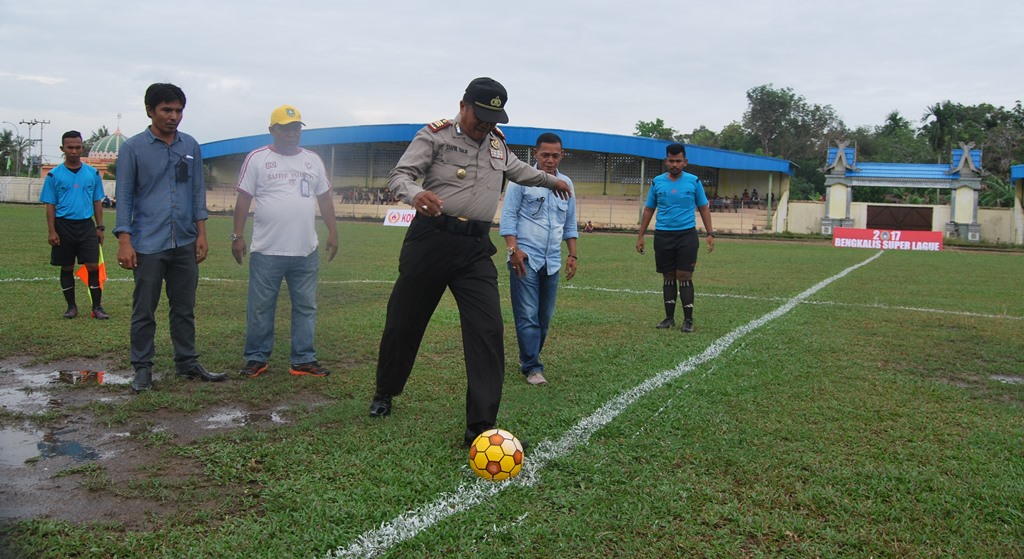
(30, 124)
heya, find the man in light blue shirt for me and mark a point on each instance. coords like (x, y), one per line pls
(161, 233)
(534, 224)
(677, 196)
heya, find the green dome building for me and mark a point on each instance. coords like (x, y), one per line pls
(106, 148)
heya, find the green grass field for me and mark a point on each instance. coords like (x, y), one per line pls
(880, 417)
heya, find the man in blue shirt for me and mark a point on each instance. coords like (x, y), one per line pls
(73, 194)
(161, 232)
(534, 224)
(676, 196)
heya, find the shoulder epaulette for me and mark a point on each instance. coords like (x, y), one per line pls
(49, 173)
(439, 124)
(499, 133)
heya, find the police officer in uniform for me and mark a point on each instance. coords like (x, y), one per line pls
(463, 164)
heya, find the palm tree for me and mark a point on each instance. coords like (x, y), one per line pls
(12, 151)
(96, 136)
(938, 130)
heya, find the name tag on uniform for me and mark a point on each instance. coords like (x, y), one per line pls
(497, 154)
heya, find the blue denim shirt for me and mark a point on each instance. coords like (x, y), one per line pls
(160, 191)
(540, 221)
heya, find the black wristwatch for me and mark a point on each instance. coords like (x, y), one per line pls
(101, 227)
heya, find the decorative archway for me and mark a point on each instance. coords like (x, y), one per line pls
(962, 179)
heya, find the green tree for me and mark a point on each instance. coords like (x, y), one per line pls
(733, 137)
(701, 137)
(655, 129)
(785, 125)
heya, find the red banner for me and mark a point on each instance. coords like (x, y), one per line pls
(883, 239)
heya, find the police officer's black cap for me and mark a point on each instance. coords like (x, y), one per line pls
(488, 98)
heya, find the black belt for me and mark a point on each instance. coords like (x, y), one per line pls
(459, 225)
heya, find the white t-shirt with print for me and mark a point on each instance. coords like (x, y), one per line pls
(284, 189)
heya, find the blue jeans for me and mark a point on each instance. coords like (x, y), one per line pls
(265, 275)
(533, 305)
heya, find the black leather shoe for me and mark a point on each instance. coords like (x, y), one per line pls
(687, 325)
(380, 406)
(143, 380)
(199, 372)
(667, 323)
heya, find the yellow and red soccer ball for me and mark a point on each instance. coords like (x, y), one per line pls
(496, 455)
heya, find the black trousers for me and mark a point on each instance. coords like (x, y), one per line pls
(432, 260)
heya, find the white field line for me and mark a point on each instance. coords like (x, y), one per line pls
(614, 290)
(407, 525)
(833, 303)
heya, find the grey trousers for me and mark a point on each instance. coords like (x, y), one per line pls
(177, 268)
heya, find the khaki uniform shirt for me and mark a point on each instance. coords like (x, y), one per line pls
(466, 176)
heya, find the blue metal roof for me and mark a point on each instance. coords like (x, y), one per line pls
(851, 155)
(516, 135)
(928, 171)
(1016, 173)
(959, 152)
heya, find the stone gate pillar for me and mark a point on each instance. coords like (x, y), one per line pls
(838, 190)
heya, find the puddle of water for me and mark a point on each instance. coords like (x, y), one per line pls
(56, 444)
(236, 418)
(28, 391)
(80, 377)
(25, 400)
(19, 445)
(91, 377)
(1007, 379)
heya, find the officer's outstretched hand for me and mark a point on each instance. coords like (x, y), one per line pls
(428, 203)
(562, 190)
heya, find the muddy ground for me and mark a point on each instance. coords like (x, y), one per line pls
(60, 461)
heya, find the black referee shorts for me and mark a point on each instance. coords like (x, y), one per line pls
(77, 240)
(676, 250)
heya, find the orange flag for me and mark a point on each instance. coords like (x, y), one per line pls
(83, 274)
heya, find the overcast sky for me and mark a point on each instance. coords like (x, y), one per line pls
(578, 65)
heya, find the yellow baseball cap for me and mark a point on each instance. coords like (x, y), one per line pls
(286, 114)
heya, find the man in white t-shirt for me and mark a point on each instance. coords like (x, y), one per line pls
(287, 183)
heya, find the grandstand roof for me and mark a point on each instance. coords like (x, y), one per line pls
(516, 135)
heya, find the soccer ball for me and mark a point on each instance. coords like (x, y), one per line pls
(496, 455)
